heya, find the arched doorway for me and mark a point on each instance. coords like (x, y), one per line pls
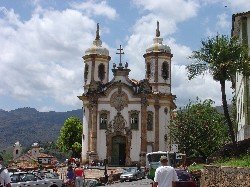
(118, 152)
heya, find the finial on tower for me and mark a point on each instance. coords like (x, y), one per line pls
(157, 30)
(97, 32)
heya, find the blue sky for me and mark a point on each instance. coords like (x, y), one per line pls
(42, 42)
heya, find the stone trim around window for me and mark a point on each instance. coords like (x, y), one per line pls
(103, 119)
(134, 119)
(86, 72)
(101, 71)
(165, 70)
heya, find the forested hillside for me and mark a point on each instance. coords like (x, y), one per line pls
(27, 125)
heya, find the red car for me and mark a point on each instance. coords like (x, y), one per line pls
(185, 179)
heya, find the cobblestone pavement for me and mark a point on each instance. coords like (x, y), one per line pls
(97, 173)
(143, 183)
(93, 173)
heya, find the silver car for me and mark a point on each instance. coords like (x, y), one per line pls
(130, 174)
(30, 179)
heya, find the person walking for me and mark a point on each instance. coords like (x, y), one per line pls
(165, 175)
(70, 177)
(111, 177)
(4, 175)
(79, 174)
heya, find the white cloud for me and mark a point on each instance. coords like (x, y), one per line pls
(42, 56)
(236, 5)
(240, 5)
(180, 52)
(96, 8)
(45, 109)
(203, 87)
(223, 22)
(144, 32)
(178, 10)
(169, 17)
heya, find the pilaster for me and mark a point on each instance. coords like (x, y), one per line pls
(94, 129)
(90, 127)
(156, 71)
(93, 68)
(144, 104)
(93, 123)
(157, 128)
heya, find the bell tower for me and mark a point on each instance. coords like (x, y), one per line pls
(96, 60)
(158, 64)
(17, 150)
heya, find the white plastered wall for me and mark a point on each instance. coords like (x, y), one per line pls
(136, 134)
(85, 132)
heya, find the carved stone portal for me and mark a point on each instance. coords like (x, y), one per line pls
(117, 128)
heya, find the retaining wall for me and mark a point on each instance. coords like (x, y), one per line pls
(216, 176)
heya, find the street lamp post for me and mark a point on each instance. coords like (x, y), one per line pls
(105, 170)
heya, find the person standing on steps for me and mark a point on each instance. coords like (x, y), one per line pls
(4, 175)
(165, 175)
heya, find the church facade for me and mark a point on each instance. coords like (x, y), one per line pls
(126, 118)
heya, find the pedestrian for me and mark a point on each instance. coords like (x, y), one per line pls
(79, 174)
(111, 177)
(4, 175)
(70, 177)
(165, 175)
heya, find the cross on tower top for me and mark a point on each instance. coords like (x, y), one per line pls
(120, 53)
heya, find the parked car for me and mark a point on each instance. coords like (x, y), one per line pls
(91, 183)
(30, 179)
(185, 179)
(47, 174)
(130, 174)
(183, 175)
(143, 173)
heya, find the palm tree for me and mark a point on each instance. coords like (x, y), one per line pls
(222, 57)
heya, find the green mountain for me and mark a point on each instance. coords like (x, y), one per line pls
(27, 125)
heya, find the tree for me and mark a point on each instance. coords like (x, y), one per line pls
(7, 157)
(223, 57)
(198, 129)
(70, 136)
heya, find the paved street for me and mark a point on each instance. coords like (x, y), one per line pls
(143, 182)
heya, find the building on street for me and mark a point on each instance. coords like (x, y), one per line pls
(126, 118)
(241, 29)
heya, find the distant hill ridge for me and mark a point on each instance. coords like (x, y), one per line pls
(28, 125)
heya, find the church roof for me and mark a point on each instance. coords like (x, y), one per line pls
(97, 46)
(158, 46)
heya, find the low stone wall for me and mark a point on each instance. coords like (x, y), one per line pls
(215, 176)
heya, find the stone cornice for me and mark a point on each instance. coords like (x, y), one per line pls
(160, 84)
(96, 56)
(115, 85)
(158, 54)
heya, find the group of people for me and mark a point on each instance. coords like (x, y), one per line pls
(164, 175)
(74, 177)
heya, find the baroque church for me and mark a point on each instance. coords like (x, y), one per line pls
(125, 118)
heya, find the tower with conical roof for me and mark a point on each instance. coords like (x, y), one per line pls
(96, 61)
(158, 64)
